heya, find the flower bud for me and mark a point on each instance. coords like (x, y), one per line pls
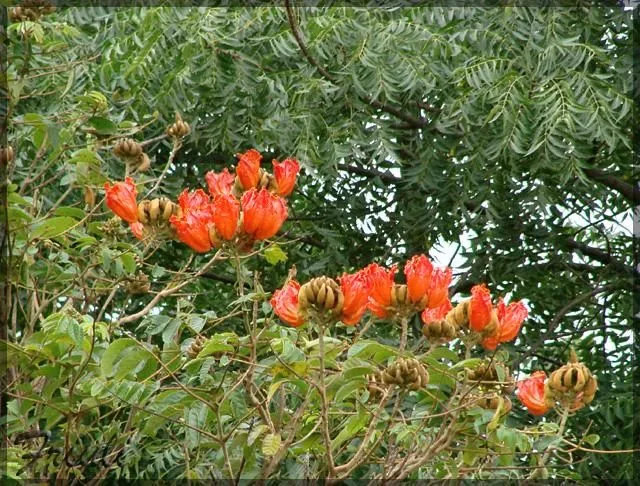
(322, 294)
(179, 129)
(127, 149)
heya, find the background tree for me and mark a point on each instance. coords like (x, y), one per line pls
(504, 133)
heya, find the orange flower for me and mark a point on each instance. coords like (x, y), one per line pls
(263, 213)
(226, 210)
(437, 313)
(531, 393)
(137, 229)
(510, 319)
(418, 272)
(248, 169)
(285, 173)
(439, 288)
(381, 282)
(285, 304)
(355, 288)
(219, 183)
(193, 224)
(121, 199)
(479, 308)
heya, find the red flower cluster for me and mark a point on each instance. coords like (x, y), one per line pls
(509, 318)
(531, 393)
(285, 304)
(427, 287)
(250, 174)
(121, 199)
(226, 213)
(355, 290)
(372, 288)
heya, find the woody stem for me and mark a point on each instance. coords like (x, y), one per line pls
(561, 427)
(404, 325)
(323, 400)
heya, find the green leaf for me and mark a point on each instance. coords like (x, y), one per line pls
(170, 330)
(103, 126)
(215, 344)
(592, 439)
(255, 433)
(75, 331)
(275, 255)
(354, 424)
(52, 227)
(76, 213)
(128, 262)
(154, 324)
(348, 388)
(125, 356)
(444, 352)
(271, 444)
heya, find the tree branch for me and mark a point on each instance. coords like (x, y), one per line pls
(601, 256)
(630, 192)
(559, 316)
(386, 177)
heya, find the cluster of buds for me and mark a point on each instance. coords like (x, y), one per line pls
(492, 401)
(323, 295)
(491, 324)
(237, 217)
(487, 374)
(323, 298)
(179, 129)
(196, 346)
(572, 386)
(138, 285)
(133, 154)
(491, 383)
(31, 10)
(405, 372)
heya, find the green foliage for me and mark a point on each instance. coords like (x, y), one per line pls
(506, 131)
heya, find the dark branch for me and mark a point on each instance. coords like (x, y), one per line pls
(630, 192)
(385, 177)
(558, 318)
(601, 256)
(219, 278)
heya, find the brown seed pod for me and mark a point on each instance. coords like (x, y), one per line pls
(572, 384)
(556, 382)
(24, 12)
(128, 149)
(6, 155)
(406, 372)
(179, 129)
(440, 331)
(138, 285)
(589, 390)
(376, 385)
(323, 294)
(89, 197)
(399, 296)
(266, 180)
(156, 211)
(143, 163)
(459, 315)
(196, 346)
